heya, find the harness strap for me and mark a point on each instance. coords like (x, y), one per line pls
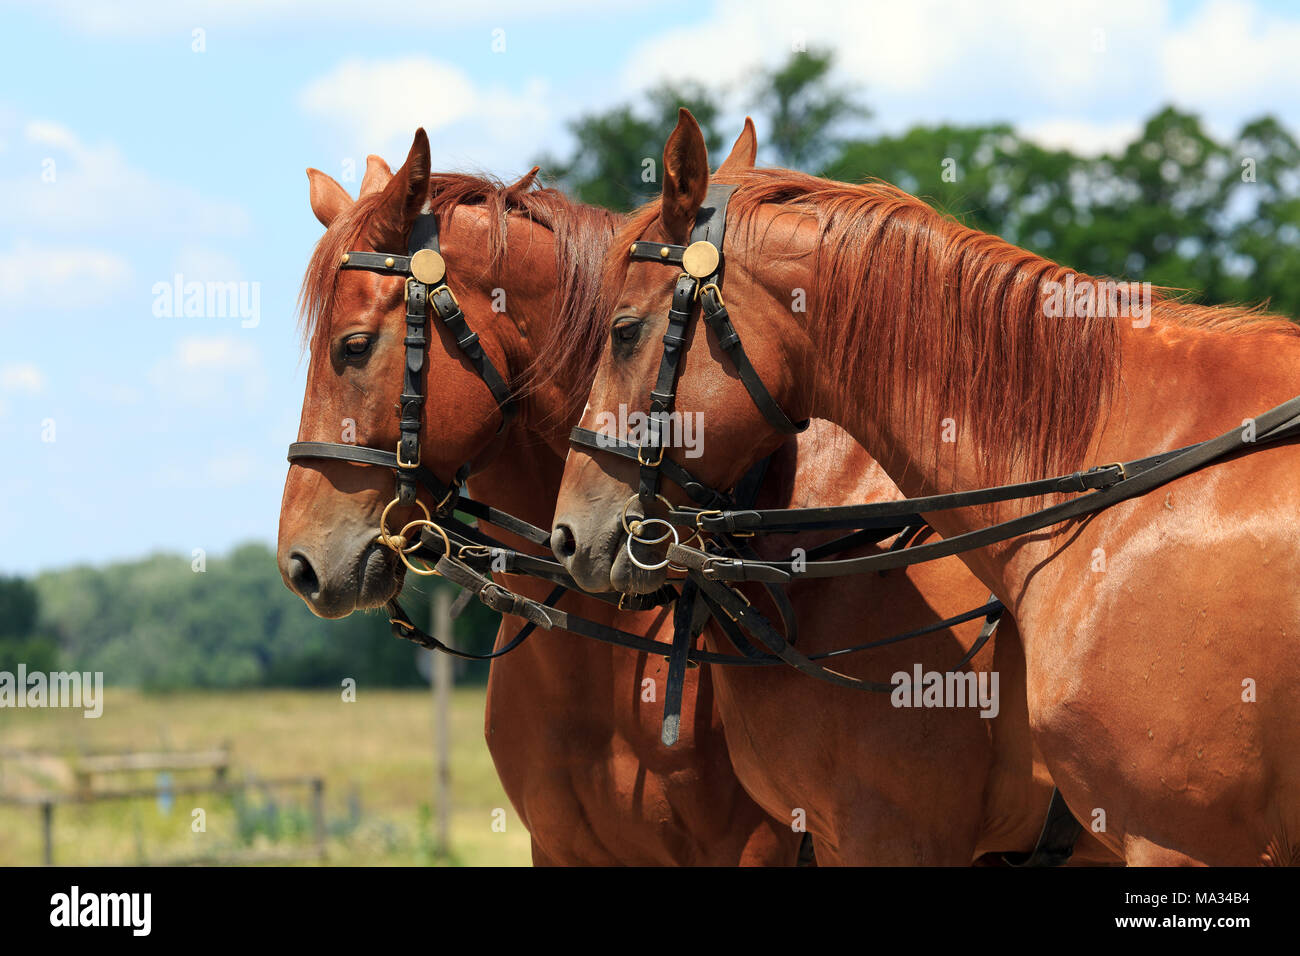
(1277, 424)
(683, 637)
(425, 287)
(651, 453)
(734, 605)
(719, 320)
(1056, 840)
(696, 490)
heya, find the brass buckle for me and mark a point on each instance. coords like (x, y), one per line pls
(699, 518)
(408, 464)
(451, 493)
(439, 288)
(1123, 474)
(714, 286)
(741, 595)
(650, 464)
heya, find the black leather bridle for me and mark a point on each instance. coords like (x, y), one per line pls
(701, 280)
(426, 286)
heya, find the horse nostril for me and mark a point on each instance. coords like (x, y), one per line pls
(562, 542)
(302, 576)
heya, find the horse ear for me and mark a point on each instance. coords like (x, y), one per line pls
(403, 197)
(742, 154)
(686, 176)
(377, 176)
(328, 199)
(524, 182)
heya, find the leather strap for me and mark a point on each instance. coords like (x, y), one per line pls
(683, 637)
(419, 297)
(719, 320)
(1056, 840)
(1277, 424)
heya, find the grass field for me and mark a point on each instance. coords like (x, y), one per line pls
(375, 755)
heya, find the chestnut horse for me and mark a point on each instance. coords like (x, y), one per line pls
(875, 784)
(1160, 635)
(576, 746)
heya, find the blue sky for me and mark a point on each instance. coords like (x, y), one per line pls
(127, 157)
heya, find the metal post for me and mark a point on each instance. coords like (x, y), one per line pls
(442, 664)
(47, 825)
(318, 813)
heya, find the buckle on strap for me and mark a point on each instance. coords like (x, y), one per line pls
(650, 464)
(408, 464)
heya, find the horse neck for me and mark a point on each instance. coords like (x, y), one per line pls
(1174, 385)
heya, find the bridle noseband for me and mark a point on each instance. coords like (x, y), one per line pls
(426, 286)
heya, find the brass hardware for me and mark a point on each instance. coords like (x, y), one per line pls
(663, 252)
(690, 664)
(440, 288)
(345, 259)
(700, 517)
(701, 259)
(627, 504)
(650, 464)
(428, 266)
(388, 263)
(407, 464)
(1123, 475)
(451, 493)
(425, 523)
(398, 541)
(716, 291)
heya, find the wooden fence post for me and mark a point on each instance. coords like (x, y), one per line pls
(47, 827)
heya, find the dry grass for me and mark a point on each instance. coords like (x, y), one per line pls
(375, 754)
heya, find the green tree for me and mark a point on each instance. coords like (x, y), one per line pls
(800, 110)
(615, 162)
(155, 623)
(21, 639)
(1264, 241)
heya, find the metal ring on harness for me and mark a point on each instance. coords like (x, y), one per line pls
(627, 504)
(670, 533)
(434, 526)
(398, 541)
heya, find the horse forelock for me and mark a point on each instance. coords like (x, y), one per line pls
(582, 234)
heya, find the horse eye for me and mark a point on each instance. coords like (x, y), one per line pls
(625, 331)
(355, 345)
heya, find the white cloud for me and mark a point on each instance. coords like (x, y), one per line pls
(22, 377)
(415, 91)
(1233, 54)
(211, 371)
(378, 104)
(75, 187)
(1081, 136)
(159, 17)
(1041, 51)
(38, 276)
